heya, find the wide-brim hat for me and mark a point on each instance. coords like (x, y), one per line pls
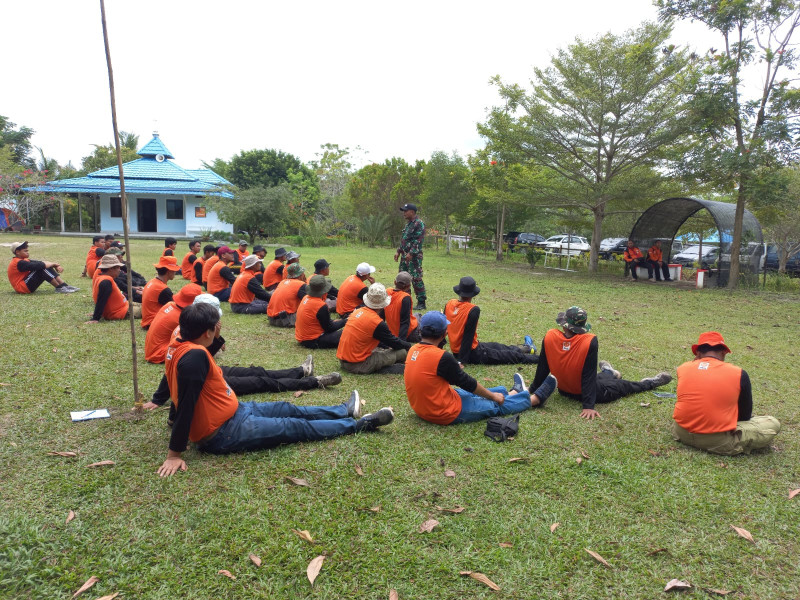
(318, 286)
(710, 338)
(467, 287)
(18, 246)
(243, 243)
(115, 251)
(187, 294)
(259, 248)
(208, 299)
(280, 252)
(574, 319)
(109, 261)
(376, 297)
(168, 262)
(250, 261)
(294, 270)
(292, 255)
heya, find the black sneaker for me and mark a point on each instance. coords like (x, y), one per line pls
(372, 421)
(330, 379)
(354, 405)
(420, 306)
(659, 380)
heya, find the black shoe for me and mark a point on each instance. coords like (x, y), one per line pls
(328, 380)
(354, 405)
(372, 421)
(420, 306)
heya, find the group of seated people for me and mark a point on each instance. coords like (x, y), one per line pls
(654, 262)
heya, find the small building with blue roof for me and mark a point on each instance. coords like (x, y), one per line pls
(163, 198)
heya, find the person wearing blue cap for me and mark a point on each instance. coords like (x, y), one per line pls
(430, 372)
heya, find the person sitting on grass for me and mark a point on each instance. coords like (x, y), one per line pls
(220, 277)
(323, 267)
(570, 354)
(283, 304)
(273, 274)
(91, 257)
(353, 289)
(292, 258)
(358, 350)
(27, 275)
(157, 291)
(210, 258)
(313, 327)
(399, 317)
(655, 259)
(164, 323)
(430, 372)
(137, 280)
(187, 264)
(209, 414)
(108, 240)
(248, 296)
(463, 333)
(261, 253)
(170, 245)
(241, 252)
(109, 302)
(633, 260)
(714, 410)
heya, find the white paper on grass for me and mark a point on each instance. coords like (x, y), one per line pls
(664, 395)
(88, 415)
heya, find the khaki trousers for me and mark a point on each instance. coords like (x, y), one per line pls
(380, 358)
(750, 435)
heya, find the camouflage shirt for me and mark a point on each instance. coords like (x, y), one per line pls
(413, 235)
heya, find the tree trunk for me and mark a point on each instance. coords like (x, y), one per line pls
(597, 233)
(783, 257)
(61, 208)
(733, 277)
(447, 233)
(501, 223)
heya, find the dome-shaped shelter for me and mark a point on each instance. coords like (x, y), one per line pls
(663, 220)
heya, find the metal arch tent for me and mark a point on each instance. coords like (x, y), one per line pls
(663, 220)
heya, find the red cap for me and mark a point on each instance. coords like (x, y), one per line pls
(710, 338)
(187, 294)
(167, 262)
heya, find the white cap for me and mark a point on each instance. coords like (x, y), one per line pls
(365, 269)
(208, 299)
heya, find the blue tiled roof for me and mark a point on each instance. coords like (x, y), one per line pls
(209, 176)
(147, 168)
(154, 147)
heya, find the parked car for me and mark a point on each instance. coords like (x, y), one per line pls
(612, 246)
(691, 255)
(566, 244)
(792, 263)
(529, 239)
(510, 237)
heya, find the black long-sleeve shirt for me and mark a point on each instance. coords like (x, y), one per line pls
(329, 325)
(161, 395)
(192, 369)
(449, 370)
(745, 398)
(198, 271)
(470, 327)
(104, 289)
(254, 285)
(588, 397)
(405, 318)
(30, 265)
(228, 275)
(385, 337)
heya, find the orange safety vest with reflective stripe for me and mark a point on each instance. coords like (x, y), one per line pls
(708, 396)
(150, 305)
(160, 333)
(392, 312)
(187, 268)
(271, 276)
(429, 395)
(357, 341)
(117, 305)
(347, 299)
(566, 356)
(207, 266)
(215, 282)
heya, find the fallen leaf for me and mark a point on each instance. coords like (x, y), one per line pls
(393, 595)
(554, 526)
(4, 384)
(579, 460)
(654, 552)
(55, 349)
(303, 535)
(441, 462)
(743, 533)
(102, 463)
(314, 568)
(598, 558)
(455, 511)
(654, 453)
(749, 347)
(359, 470)
(482, 578)
(54, 339)
(67, 454)
(449, 473)
(89, 583)
(676, 585)
(70, 516)
(298, 393)
(226, 573)
(584, 455)
(518, 459)
(794, 493)
(109, 597)
(255, 560)
(375, 509)
(297, 481)
(506, 545)
(644, 404)
(718, 591)
(428, 526)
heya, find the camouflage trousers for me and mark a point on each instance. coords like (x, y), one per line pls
(414, 268)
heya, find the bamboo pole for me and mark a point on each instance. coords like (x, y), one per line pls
(137, 398)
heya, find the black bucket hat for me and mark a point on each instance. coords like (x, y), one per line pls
(467, 287)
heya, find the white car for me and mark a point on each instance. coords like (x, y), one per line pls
(691, 256)
(566, 244)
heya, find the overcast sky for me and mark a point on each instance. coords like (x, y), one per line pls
(214, 78)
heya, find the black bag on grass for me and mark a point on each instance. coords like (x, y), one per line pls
(500, 429)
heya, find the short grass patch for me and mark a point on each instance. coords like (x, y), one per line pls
(653, 509)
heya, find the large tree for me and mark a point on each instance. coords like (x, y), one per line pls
(742, 128)
(261, 211)
(18, 141)
(776, 203)
(263, 168)
(448, 189)
(602, 117)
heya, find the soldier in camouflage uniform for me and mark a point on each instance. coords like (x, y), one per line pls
(410, 252)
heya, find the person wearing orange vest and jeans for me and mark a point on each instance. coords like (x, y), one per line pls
(399, 315)
(655, 259)
(27, 275)
(353, 289)
(285, 300)
(633, 259)
(430, 372)
(715, 403)
(313, 327)
(365, 329)
(187, 264)
(109, 302)
(248, 296)
(220, 277)
(164, 323)
(463, 333)
(209, 414)
(157, 291)
(570, 354)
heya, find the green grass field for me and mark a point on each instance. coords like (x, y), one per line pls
(653, 509)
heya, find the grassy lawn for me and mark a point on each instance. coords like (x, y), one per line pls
(653, 509)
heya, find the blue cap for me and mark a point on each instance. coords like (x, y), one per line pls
(433, 324)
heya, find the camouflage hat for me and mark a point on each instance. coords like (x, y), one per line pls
(115, 251)
(574, 319)
(294, 270)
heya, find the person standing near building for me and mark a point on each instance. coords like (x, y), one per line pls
(410, 252)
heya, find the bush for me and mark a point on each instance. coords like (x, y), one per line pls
(533, 256)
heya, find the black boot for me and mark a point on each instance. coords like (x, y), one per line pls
(420, 305)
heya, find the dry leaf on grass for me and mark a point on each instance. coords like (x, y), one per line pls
(298, 393)
(4, 384)
(109, 597)
(598, 558)
(749, 347)
(554, 526)
(102, 463)
(455, 511)
(584, 455)
(579, 460)
(506, 545)
(70, 516)
(314, 568)
(255, 560)
(794, 493)
(449, 473)
(89, 583)
(644, 404)
(226, 573)
(482, 578)
(657, 551)
(428, 526)
(718, 591)
(65, 454)
(375, 509)
(393, 595)
(297, 481)
(303, 535)
(676, 585)
(743, 533)
(518, 459)
(359, 470)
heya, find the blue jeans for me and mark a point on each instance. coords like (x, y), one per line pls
(223, 295)
(474, 408)
(257, 425)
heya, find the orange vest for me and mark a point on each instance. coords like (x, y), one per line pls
(207, 266)
(242, 254)
(708, 396)
(347, 300)
(91, 260)
(117, 305)
(654, 253)
(215, 282)
(357, 342)
(217, 402)
(271, 276)
(91, 267)
(160, 333)
(307, 325)
(239, 292)
(202, 261)
(565, 357)
(17, 277)
(631, 254)
(164, 253)
(429, 395)
(285, 297)
(457, 312)
(392, 312)
(150, 305)
(187, 267)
